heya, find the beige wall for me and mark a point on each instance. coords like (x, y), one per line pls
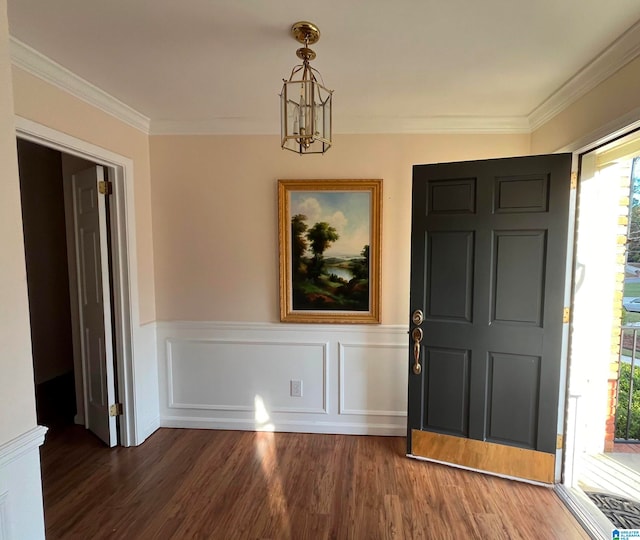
(214, 203)
(43, 103)
(214, 197)
(611, 99)
(206, 211)
(17, 402)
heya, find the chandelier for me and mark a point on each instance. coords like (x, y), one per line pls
(305, 103)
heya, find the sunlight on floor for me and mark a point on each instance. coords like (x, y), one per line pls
(267, 454)
(263, 420)
(605, 473)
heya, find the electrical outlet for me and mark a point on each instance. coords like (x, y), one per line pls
(296, 388)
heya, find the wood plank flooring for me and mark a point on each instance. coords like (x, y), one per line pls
(628, 448)
(242, 485)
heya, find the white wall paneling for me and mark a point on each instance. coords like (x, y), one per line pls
(144, 387)
(21, 513)
(4, 519)
(369, 384)
(238, 376)
(232, 375)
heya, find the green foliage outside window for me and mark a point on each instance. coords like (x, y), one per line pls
(623, 403)
(631, 289)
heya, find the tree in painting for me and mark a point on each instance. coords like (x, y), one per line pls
(360, 267)
(298, 245)
(321, 236)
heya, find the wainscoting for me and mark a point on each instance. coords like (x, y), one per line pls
(239, 376)
(21, 513)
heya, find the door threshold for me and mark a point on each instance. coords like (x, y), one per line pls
(593, 521)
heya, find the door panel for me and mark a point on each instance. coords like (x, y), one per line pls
(513, 379)
(521, 193)
(488, 252)
(94, 309)
(518, 276)
(447, 403)
(450, 282)
(452, 197)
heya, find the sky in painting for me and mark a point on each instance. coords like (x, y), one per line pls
(347, 211)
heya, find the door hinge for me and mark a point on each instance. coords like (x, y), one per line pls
(559, 442)
(566, 315)
(105, 188)
(574, 180)
(115, 409)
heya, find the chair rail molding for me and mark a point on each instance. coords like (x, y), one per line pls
(21, 512)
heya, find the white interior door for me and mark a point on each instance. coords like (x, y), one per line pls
(90, 223)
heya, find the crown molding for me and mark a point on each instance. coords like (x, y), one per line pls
(434, 125)
(352, 125)
(622, 51)
(215, 126)
(616, 128)
(39, 65)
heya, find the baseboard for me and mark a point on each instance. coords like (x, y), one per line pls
(148, 430)
(285, 426)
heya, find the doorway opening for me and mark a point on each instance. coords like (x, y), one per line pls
(600, 473)
(69, 287)
(131, 340)
(627, 402)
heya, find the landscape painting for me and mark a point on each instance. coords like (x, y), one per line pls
(330, 250)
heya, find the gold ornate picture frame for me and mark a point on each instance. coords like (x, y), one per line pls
(330, 234)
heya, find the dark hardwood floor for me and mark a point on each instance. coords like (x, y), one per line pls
(231, 484)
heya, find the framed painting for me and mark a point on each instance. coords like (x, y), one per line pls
(329, 237)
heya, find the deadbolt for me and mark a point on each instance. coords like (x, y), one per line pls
(417, 317)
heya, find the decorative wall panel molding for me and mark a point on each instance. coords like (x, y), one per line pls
(353, 378)
(291, 426)
(4, 519)
(230, 375)
(369, 384)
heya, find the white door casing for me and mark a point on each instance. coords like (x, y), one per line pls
(136, 352)
(90, 225)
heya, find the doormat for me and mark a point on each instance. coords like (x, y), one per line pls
(623, 513)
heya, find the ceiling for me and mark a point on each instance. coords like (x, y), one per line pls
(395, 66)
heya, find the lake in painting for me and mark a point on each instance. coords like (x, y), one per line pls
(330, 239)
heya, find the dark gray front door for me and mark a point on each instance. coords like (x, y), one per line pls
(488, 254)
